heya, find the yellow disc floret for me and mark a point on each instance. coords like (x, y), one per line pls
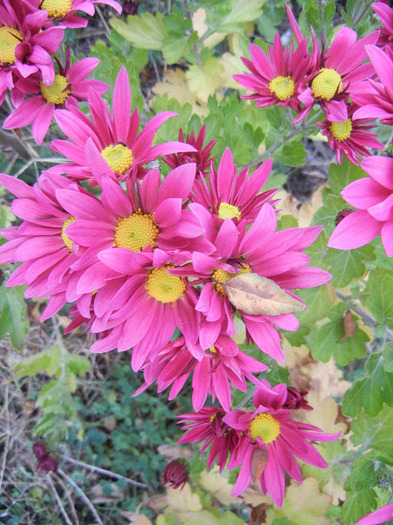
(67, 241)
(119, 157)
(56, 8)
(58, 92)
(341, 130)
(136, 231)
(9, 39)
(228, 211)
(282, 87)
(326, 84)
(221, 276)
(264, 426)
(163, 286)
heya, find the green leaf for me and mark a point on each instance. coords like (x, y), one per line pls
(78, 365)
(175, 47)
(358, 504)
(292, 154)
(340, 175)
(197, 464)
(240, 11)
(378, 296)
(327, 214)
(13, 315)
(48, 361)
(324, 340)
(370, 392)
(388, 357)
(145, 31)
(347, 265)
(374, 434)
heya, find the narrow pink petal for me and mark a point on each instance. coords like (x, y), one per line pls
(387, 237)
(364, 193)
(382, 515)
(122, 105)
(380, 169)
(355, 230)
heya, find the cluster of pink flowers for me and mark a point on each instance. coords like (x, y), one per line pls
(31, 31)
(264, 441)
(352, 93)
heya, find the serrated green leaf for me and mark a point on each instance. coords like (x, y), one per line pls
(197, 464)
(47, 361)
(370, 392)
(327, 214)
(374, 434)
(79, 365)
(174, 47)
(340, 175)
(13, 315)
(292, 154)
(145, 31)
(378, 295)
(347, 265)
(240, 11)
(324, 340)
(358, 504)
(364, 474)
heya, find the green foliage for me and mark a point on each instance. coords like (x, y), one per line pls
(145, 31)
(13, 315)
(327, 340)
(378, 295)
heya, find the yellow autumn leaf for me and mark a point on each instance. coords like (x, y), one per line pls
(175, 86)
(218, 486)
(198, 25)
(232, 65)
(205, 80)
(183, 500)
(303, 505)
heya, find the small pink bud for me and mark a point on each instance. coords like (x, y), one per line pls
(176, 473)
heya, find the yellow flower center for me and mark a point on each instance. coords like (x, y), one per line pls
(341, 130)
(136, 231)
(119, 158)
(163, 286)
(264, 426)
(58, 92)
(227, 211)
(67, 241)
(282, 87)
(222, 276)
(326, 84)
(9, 39)
(212, 350)
(57, 8)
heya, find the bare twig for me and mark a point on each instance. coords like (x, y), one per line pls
(58, 500)
(7, 437)
(107, 28)
(69, 498)
(105, 472)
(83, 496)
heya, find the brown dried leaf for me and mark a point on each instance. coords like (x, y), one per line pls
(257, 295)
(135, 518)
(258, 463)
(350, 326)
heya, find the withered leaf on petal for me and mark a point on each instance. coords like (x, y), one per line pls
(259, 460)
(257, 295)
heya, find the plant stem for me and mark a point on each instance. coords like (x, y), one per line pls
(58, 500)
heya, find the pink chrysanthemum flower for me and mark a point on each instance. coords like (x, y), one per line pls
(207, 425)
(64, 11)
(338, 73)
(376, 98)
(134, 222)
(261, 250)
(230, 196)
(270, 442)
(201, 157)
(41, 242)
(150, 305)
(25, 47)
(385, 14)
(373, 196)
(111, 144)
(275, 79)
(378, 517)
(176, 473)
(70, 87)
(350, 137)
(221, 364)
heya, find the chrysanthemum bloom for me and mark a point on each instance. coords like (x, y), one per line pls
(114, 148)
(260, 250)
(176, 473)
(378, 517)
(201, 156)
(41, 242)
(350, 137)
(275, 79)
(150, 305)
(25, 47)
(376, 98)
(64, 11)
(221, 364)
(338, 73)
(230, 196)
(70, 87)
(136, 222)
(385, 14)
(208, 426)
(270, 442)
(373, 196)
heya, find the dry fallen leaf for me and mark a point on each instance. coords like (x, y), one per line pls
(183, 500)
(257, 295)
(135, 518)
(350, 326)
(218, 486)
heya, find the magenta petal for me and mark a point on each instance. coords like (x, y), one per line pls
(387, 237)
(355, 230)
(380, 516)
(199, 385)
(364, 193)
(380, 169)
(168, 213)
(122, 105)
